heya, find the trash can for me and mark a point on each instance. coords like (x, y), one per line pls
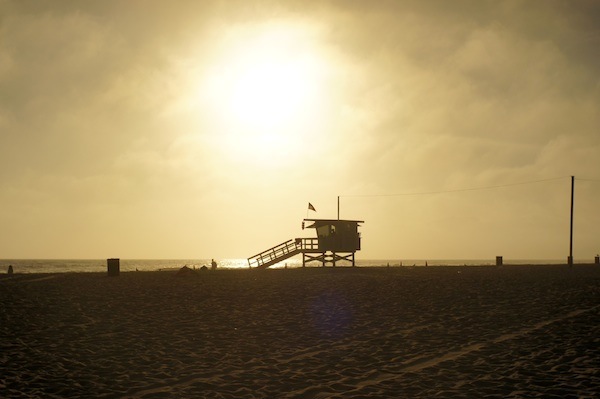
(113, 267)
(498, 260)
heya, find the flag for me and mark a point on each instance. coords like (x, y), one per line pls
(311, 207)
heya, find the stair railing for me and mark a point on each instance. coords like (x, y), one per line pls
(271, 255)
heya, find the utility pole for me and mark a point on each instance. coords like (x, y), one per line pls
(570, 260)
(338, 207)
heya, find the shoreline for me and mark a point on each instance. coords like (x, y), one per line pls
(100, 265)
(307, 268)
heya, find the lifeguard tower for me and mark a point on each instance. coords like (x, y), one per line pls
(337, 240)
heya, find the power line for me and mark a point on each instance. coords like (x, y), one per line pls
(458, 190)
(592, 180)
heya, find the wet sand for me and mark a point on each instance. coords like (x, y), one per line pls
(464, 332)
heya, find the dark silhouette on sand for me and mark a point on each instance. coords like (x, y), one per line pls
(337, 240)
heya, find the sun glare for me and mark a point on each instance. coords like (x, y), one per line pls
(271, 93)
(266, 88)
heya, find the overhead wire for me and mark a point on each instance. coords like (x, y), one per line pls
(458, 190)
(592, 180)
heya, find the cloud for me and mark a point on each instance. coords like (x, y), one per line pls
(489, 82)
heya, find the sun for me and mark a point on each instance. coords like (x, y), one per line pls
(270, 93)
(266, 88)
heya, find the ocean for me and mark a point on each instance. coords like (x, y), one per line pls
(129, 265)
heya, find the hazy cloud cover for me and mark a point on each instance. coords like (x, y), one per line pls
(110, 146)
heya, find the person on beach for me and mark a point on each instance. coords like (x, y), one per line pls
(10, 269)
(213, 265)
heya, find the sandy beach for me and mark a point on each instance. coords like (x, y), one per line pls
(448, 332)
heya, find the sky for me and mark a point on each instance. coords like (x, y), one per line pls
(202, 129)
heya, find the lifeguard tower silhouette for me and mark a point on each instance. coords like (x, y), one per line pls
(337, 240)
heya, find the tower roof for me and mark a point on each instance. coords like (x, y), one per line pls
(324, 222)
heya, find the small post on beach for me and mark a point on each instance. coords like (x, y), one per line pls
(113, 267)
(498, 260)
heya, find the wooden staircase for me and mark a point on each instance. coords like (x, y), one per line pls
(276, 254)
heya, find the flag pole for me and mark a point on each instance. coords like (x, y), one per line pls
(338, 207)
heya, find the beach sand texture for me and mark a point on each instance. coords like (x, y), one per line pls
(464, 332)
